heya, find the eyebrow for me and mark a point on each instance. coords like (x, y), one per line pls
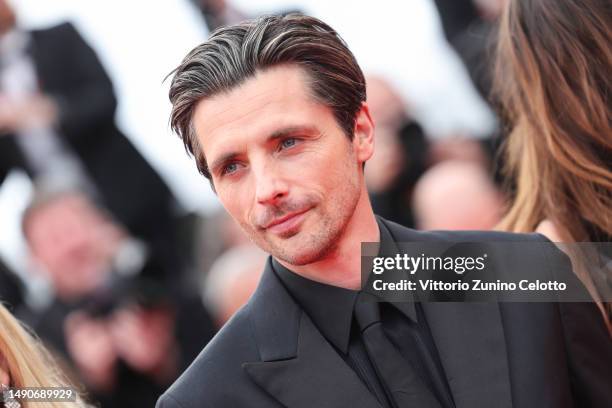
(278, 134)
(291, 130)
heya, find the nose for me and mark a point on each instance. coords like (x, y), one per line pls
(270, 185)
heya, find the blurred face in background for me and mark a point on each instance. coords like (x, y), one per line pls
(73, 241)
(389, 113)
(7, 17)
(281, 165)
(457, 195)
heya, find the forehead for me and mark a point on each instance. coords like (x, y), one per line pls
(275, 98)
(58, 212)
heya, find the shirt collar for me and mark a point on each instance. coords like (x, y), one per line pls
(389, 248)
(331, 307)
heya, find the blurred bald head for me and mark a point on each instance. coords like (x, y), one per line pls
(232, 279)
(457, 195)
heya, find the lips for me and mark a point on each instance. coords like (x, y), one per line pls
(284, 219)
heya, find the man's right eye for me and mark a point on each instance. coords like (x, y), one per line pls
(229, 168)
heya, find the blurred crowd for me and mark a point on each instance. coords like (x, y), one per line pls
(139, 286)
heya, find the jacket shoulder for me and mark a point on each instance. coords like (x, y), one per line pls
(216, 378)
(401, 233)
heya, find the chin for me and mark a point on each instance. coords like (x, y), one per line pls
(302, 253)
(297, 259)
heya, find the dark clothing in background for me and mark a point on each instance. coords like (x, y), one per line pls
(131, 387)
(12, 290)
(193, 329)
(455, 15)
(69, 71)
(272, 354)
(394, 204)
(475, 45)
(476, 48)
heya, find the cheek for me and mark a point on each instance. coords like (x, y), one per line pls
(312, 167)
(332, 169)
(237, 201)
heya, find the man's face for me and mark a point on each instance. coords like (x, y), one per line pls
(73, 241)
(281, 165)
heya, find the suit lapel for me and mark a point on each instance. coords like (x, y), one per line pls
(316, 377)
(299, 367)
(472, 348)
(470, 341)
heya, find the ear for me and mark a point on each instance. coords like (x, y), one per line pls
(363, 141)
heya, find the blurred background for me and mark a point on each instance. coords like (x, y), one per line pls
(115, 250)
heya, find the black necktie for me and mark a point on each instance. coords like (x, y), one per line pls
(403, 384)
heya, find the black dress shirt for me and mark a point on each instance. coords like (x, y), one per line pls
(331, 310)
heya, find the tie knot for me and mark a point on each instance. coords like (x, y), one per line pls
(367, 311)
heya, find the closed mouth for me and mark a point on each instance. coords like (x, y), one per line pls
(284, 218)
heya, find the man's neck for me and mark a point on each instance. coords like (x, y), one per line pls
(342, 266)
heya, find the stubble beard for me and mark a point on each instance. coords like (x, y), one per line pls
(311, 246)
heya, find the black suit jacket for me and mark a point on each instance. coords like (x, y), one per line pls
(69, 71)
(270, 354)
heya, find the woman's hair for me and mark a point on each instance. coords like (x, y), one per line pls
(29, 364)
(553, 77)
(554, 60)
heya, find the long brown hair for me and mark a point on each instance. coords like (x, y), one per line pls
(29, 364)
(553, 76)
(554, 60)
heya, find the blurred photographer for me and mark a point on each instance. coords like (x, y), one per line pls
(57, 124)
(112, 316)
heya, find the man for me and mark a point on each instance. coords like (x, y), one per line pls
(57, 110)
(125, 332)
(275, 112)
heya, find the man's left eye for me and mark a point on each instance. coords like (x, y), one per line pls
(287, 143)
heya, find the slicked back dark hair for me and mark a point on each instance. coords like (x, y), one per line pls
(236, 53)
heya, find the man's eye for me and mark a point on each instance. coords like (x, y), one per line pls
(229, 168)
(287, 143)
